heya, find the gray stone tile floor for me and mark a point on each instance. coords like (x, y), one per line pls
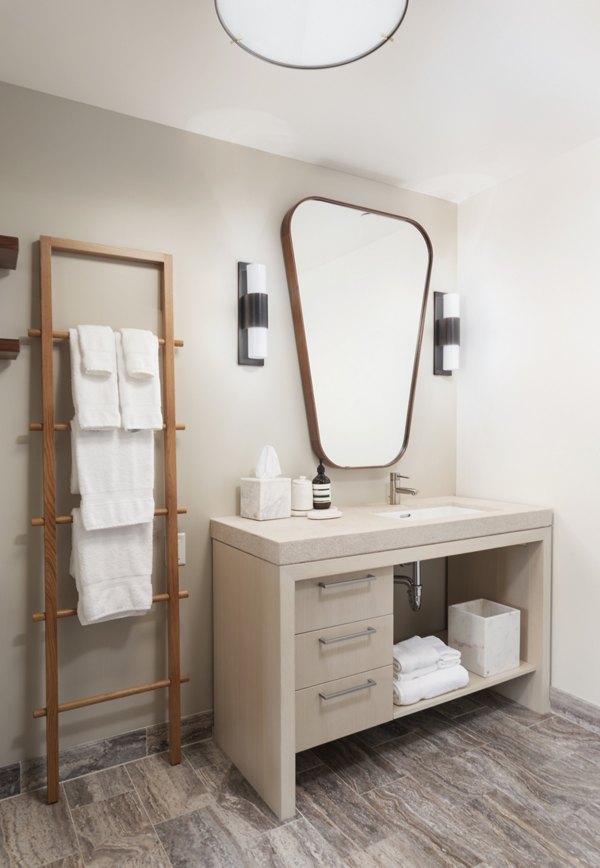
(478, 782)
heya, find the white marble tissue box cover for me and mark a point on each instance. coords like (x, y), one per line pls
(487, 634)
(264, 499)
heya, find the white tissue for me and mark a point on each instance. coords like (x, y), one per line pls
(267, 466)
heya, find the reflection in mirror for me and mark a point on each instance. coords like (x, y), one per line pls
(358, 284)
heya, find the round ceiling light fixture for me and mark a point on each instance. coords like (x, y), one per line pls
(311, 34)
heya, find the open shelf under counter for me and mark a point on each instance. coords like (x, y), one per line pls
(476, 683)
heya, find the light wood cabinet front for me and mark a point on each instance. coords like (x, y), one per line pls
(344, 638)
(341, 599)
(343, 706)
(346, 649)
(279, 690)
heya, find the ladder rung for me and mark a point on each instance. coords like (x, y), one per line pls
(66, 426)
(69, 613)
(115, 694)
(63, 336)
(38, 521)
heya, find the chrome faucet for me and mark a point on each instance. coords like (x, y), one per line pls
(396, 490)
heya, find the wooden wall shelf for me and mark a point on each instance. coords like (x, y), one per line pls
(9, 251)
(9, 348)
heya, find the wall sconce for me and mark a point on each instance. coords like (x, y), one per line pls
(446, 315)
(253, 313)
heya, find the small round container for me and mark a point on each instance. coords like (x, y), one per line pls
(302, 496)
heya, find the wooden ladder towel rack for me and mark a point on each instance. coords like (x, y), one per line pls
(50, 520)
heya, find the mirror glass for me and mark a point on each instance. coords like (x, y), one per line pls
(358, 283)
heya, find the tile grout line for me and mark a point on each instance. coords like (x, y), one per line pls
(144, 809)
(23, 762)
(104, 769)
(589, 727)
(72, 821)
(320, 810)
(387, 784)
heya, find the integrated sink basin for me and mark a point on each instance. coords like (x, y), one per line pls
(430, 512)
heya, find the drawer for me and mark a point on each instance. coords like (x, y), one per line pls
(343, 706)
(334, 652)
(331, 600)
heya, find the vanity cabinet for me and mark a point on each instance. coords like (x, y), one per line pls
(343, 672)
(303, 625)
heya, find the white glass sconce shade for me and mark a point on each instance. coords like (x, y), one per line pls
(446, 350)
(451, 307)
(257, 343)
(311, 34)
(451, 357)
(253, 313)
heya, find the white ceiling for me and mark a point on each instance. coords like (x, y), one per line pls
(470, 91)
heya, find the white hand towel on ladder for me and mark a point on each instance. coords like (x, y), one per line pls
(114, 473)
(98, 350)
(112, 569)
(140, 350)
(96, 398)
(139, 397)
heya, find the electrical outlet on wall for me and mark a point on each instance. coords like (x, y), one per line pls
(181, 549)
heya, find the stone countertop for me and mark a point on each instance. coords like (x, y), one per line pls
(360, 530)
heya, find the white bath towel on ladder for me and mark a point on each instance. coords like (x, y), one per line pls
(112, 569)
(114, 473)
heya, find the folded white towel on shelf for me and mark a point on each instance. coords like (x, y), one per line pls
(417, 673)
(112, 569)
(448, 656)
(413, 654)
(140, 350)
(98, 350)
(139, 398)
(428, 686)
(114, 473)
(96, 398)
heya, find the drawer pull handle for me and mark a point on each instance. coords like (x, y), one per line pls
(368, 632)
(347, 582)
(370, 682)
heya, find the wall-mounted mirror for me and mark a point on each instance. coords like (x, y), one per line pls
(358, 283)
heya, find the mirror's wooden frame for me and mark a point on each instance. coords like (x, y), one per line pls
(299, 331)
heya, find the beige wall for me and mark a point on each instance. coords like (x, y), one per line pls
(73, 171)
(529, 408)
